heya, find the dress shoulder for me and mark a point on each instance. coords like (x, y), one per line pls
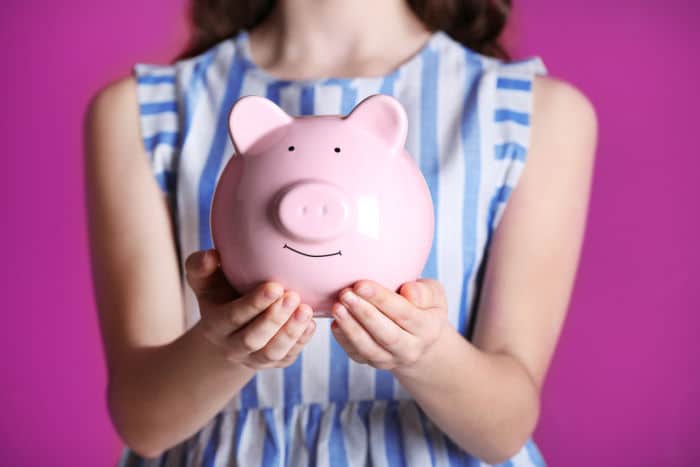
(156, 91)
(507, 102)
(165, 94)
(496, 117)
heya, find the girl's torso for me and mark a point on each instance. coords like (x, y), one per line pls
(469, 134)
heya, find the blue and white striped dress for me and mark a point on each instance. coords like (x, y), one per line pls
(469, 133)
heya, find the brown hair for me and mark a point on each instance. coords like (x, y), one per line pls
(475, 23)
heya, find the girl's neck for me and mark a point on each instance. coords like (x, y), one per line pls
(307, 39)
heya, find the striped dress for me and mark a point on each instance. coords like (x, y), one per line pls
(468, 130)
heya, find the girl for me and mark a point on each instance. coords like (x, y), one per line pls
(445, 371)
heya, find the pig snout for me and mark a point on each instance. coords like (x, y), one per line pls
(313, 211)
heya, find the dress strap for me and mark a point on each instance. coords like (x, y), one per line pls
(511, 85)
(159, 122)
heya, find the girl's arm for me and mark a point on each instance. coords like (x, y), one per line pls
(486, 396)
(164, 383)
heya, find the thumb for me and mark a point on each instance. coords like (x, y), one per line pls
(204, 275)
(417, 293)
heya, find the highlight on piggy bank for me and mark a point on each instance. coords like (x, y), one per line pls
(317, 203)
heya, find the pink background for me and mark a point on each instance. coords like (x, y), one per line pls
(623, 386)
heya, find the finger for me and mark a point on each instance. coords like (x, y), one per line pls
(227, 318)
(300, 343)
(249, 306)
(432, 293)
(383, 330)
(282, 342)
(357, 336)
(345, 343)
(424, 293)
(415, 293)
(390, 304)
(206, 278)
(256, 334)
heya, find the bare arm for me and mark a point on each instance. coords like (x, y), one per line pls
(489, 392)
(165, 383)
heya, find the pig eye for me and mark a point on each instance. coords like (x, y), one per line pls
(290, 148)
(337, 149)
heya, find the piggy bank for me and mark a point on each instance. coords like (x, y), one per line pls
(316, 203)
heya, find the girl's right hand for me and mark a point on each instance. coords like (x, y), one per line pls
(264, 328)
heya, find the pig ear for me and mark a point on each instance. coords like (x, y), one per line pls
(383, 116)
(251, 118)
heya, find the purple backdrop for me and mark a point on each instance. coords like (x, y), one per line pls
(623, 385)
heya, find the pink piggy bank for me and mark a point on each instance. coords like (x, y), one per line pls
(319, 202)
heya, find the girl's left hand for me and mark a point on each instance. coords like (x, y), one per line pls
(388, 330)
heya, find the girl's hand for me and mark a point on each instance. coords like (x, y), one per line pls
(387, 330)
(265, 328)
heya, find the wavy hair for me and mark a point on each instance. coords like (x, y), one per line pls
(477, 24)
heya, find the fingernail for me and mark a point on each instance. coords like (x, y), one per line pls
(349, 297)
(215, 254)
(201, 261)
(302, 314)
(341, 312)
(365, 290)
(290, 301)
(273, 292)
(416, 293)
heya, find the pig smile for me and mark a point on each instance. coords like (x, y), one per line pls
(339, 253)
